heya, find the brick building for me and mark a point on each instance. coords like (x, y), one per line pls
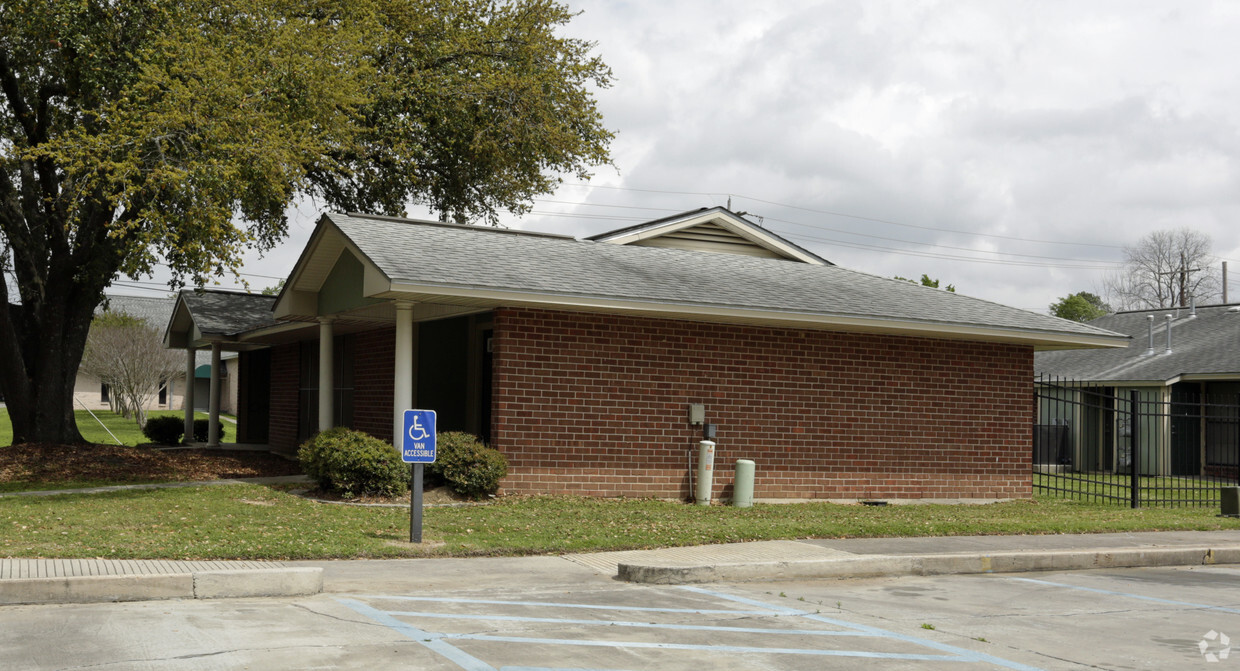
(578, 359)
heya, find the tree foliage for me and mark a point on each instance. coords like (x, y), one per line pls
(128, 355)
(1164, 269)
(140, 132)
(1080, 307)
(927, 282)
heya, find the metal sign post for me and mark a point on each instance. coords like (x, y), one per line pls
(417, 450)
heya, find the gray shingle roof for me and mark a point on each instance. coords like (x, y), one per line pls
(449, 256)
(155, 311)
(1206, 344)
(227, 312)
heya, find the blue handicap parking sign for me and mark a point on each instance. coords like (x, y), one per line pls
(418, 437)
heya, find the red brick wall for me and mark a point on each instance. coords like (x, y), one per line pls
(597, 405)
(285, 381)
(374, 360)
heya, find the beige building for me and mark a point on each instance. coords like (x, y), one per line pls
(91, 394)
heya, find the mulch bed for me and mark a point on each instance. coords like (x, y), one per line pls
(40, 462)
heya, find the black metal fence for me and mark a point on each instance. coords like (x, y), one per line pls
(1136, 446)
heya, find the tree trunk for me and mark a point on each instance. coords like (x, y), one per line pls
(38, 370)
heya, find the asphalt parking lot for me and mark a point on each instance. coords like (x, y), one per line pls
(571, 618)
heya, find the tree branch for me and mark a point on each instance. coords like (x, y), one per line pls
(12, 92)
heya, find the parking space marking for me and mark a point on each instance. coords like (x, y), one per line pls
(428, 639)
(552, 604)
(438, 642)
(619, 623)
(964, 654)
(1128, 595)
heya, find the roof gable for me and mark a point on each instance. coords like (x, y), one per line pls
(203, 315)
(716, 229)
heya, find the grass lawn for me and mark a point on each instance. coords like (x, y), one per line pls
(1153, 490)
(252, 522)
(125, 430)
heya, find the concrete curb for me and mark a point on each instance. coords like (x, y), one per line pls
(291, 581)
(942, 564)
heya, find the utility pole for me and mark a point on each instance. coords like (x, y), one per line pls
(1183, 281)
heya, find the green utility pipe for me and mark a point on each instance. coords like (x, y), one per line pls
(742, 489)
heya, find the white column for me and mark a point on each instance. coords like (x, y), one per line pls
(213, 422)
(402, 387)
(326, 384)
(191, 361)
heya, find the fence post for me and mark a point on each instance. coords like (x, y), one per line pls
(1134, 453)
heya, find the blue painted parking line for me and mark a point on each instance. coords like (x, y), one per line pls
(964, 654)
(552, 604)
(428, 639)
(1127, 595)
(442, 643)
(619, 623)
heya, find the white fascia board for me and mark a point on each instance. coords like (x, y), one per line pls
(743, 228)
(786, 319)
(1209, 377)
(272, 330)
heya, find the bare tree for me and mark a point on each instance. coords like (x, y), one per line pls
(1164, 269)
(128, 355)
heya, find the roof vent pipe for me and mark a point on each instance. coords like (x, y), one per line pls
(1168, 335)
(1192, 307)
(1150, 320)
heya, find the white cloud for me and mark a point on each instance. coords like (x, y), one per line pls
(1084, 123)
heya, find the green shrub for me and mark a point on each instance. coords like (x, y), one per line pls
(165, 429)
(469, 467)
(353, 463)
(200, 430)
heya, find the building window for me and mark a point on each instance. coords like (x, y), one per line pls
(163, 392)
(342, 381)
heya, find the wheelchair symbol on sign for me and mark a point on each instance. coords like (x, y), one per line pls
(417, 426)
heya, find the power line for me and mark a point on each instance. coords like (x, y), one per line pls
(1065, 263)
(850, 216)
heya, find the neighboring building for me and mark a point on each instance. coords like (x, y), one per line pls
(1184, 364)
(579, 359)
(89, 392)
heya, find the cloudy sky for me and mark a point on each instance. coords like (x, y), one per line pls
(1008, 148)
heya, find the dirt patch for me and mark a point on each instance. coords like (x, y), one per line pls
(41, 462)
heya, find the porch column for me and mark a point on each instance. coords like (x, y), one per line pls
(191, 361)
(213, 422)
(326, 413)
(402, 387)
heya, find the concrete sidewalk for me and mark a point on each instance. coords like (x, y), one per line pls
(41, 581)
(854, 558)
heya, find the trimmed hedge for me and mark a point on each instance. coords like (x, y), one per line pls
(352, 463)
(468, 466)
(200, 430)
(165, 429)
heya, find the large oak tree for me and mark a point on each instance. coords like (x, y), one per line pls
(140, 132)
